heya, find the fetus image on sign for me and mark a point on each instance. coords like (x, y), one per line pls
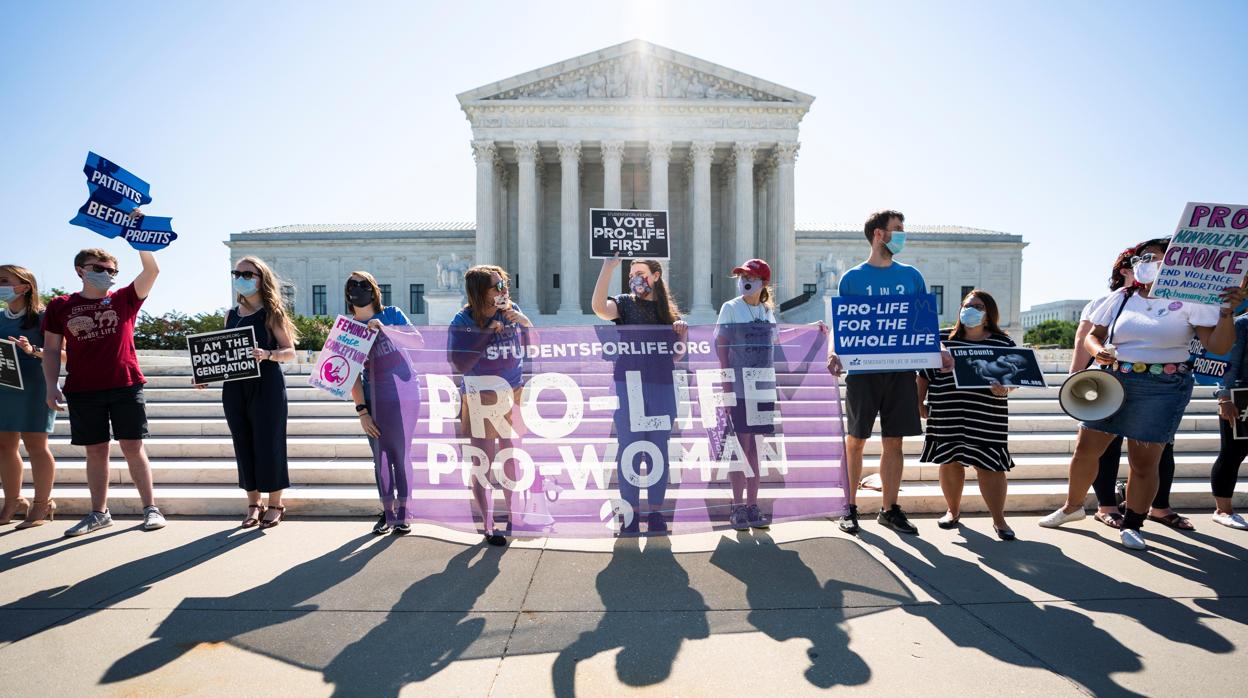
(1003, 369)
(335, 370)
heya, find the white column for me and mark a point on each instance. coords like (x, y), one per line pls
(501, 219)
(773, 217)
(612, 157)
(724, 234)
(660, 158)
(701, 153)
(760, 185)
(786, 287)
(526, 156)
(483, 152)
(570, 229)
(744, 153)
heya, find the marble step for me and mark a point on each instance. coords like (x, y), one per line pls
(1027, 496)
(592, 425)
(311, 471)
(356, 447)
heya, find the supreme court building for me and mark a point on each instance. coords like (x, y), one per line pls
(631, 126)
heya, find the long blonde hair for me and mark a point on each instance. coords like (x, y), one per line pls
(34, 303)
(269, 290)
(477, 285)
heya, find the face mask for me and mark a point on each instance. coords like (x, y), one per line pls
(749, 287)
(7, 294)
(897, 242)
(502, 301)
(1146, 272)
(244, 287)
(971, 317)
(639, 286)
(98, 279)
(360, 297)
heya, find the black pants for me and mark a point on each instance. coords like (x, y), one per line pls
(1226, 468)
(1107, 476)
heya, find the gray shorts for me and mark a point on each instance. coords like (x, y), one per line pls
(893, 396)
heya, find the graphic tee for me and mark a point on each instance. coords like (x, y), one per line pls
(99, 339)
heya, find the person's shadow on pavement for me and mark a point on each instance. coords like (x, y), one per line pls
(648, 638)
(1095, 654)
(776, 579)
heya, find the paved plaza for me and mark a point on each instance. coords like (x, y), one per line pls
(317, 607)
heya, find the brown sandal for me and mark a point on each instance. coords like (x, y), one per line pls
(253, 520)
(270, 523)
(1110, 518)
(1174, 520)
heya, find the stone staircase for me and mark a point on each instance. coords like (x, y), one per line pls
(332, 473)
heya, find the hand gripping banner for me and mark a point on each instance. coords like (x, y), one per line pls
(605, 430)
(114, 194)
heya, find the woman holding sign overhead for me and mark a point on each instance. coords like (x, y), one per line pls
(1145, 341)
(969, 426)
(255, 409)
(24, 414)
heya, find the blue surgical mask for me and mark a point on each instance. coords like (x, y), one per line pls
(971, 317)
(7, 294)
(639, 286)
(897, 242)
(245, 287)
(98, 279)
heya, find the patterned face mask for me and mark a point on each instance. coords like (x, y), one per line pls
(639, 286)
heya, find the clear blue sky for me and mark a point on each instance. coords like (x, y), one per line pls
(1081, 126)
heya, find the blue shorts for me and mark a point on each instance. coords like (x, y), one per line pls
(1152, 408)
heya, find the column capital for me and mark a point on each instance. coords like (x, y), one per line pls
(728, 170)
(744, 152)
(786, 152)
(569, 151)
(484, 151)
(613, 150)
(527, 151)
(702, 151)
(659, 150)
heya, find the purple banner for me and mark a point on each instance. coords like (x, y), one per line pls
(606, 430)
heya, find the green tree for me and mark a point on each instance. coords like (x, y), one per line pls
(312, 331)
(169, 331)
(54, 293)
(1059, 333)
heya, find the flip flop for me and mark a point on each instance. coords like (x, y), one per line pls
(1173, 520)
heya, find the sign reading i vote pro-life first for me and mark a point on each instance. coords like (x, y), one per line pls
(628, 234)
(1208, 253)
(342, 358)
(10, 370)
(886, 333)
(224, 355)
(114, 194)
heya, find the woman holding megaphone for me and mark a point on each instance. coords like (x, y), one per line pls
(1144, 341)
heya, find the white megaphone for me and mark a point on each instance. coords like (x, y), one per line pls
(1091, 395)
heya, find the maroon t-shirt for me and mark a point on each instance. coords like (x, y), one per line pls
(99, 339)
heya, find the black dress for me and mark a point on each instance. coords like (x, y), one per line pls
(255, 409)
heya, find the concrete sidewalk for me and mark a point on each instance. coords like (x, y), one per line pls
(321, 607)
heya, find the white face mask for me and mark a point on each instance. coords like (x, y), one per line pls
(1146, 272)
(749, 286)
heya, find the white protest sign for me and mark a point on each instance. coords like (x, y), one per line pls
(342, 358)
(1208, 253)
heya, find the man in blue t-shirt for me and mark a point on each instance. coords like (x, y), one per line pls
(891, 395)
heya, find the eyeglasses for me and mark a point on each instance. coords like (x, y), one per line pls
(500, 286)
(97, 268)
(1145, 258)
(249, 275)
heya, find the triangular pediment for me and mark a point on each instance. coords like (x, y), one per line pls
(635, 70)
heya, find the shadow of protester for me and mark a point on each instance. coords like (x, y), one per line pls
(777, 580)
(1218, 565)
(1047, 568)
(196, 620)
(117, 584)
(1066, 630)
(415, 645)
(648, 638)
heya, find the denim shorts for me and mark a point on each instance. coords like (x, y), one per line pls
(1153, 406)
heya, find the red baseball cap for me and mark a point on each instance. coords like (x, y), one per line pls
(756, 268)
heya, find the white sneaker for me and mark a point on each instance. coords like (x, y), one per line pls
(1234, 521)
(152, 518)
(1060, 517)
(1133, 539)
(93, 521)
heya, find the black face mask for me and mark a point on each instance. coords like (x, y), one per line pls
(360, 297)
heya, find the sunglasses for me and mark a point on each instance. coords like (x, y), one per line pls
(249, 275)
(500, 286)
(352, 283)
(97, 268)
(1146, 258)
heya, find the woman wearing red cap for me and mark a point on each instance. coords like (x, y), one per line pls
(745, 335)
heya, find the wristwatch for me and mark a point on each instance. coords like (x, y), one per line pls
(360, 408)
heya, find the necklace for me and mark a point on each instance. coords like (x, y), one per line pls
(10, 315)
(756, 317)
